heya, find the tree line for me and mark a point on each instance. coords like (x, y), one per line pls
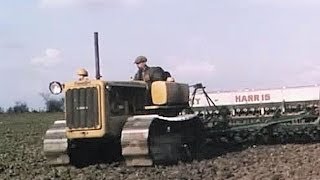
(51, 105)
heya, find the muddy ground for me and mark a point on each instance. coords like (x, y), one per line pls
(21, 157)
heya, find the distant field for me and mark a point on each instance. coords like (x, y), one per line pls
(28, 127)
(21, 143)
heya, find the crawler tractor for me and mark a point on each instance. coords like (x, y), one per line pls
(108, 121)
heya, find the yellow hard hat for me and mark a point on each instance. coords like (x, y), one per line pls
(82, 72)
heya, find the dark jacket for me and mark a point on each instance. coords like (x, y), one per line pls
(151, 74)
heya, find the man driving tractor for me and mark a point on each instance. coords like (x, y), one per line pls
(149, 75)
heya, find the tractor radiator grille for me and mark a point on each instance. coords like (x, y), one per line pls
(82, 108)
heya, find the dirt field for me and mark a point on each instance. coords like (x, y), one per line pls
(21, 157)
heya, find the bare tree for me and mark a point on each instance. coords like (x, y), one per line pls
(52, 105)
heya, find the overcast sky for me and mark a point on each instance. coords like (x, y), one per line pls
(225, 44)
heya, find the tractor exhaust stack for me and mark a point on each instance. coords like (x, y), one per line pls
(96, 50)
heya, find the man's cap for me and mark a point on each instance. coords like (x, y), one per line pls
(140, 59)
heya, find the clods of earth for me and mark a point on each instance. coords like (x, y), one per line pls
(21, 157)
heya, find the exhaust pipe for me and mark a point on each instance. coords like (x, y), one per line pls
(96, 52)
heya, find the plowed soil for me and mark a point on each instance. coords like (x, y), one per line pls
(21, 157)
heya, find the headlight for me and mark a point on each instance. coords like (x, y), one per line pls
(55, 87)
